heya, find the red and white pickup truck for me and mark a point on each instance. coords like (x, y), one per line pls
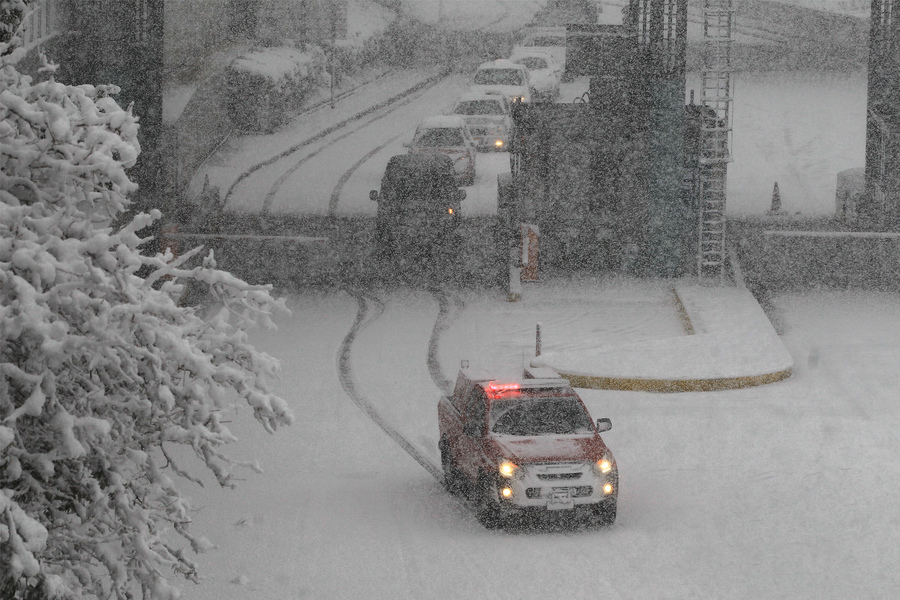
(526, 446)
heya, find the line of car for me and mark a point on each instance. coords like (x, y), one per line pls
(481, 119)
(419, 201)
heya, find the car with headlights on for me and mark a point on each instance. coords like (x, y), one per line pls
(544, 73)
(418, 209)
(447, 134)
(526, 446)
(487, 117)
(502, 76)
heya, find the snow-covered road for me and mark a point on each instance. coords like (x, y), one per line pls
(789, 490)
(796, 129)
(783, 491)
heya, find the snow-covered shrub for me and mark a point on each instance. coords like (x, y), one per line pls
(264, 84)
(102, 373)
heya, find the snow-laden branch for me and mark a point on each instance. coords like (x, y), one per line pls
(99, 365)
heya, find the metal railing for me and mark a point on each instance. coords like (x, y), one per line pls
(40, 23)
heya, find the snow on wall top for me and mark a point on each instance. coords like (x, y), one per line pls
(274, 63)
(732, 339)
(856, 8)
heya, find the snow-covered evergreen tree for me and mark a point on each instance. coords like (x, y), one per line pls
(102, 373)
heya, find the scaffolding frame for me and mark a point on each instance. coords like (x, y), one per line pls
(715, 138)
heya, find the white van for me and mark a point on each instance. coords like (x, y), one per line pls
(551, 40)
(503, 76)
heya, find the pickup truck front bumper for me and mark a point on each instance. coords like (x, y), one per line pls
(557, 486)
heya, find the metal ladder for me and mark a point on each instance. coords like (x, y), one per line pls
(715, 137)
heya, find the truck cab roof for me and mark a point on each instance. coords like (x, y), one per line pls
(468, 378)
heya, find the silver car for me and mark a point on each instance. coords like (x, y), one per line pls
(487, 117)
(447, 134)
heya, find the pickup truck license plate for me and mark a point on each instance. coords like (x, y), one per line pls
(560, 500)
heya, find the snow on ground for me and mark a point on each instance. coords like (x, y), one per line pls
(175, 100)
(789, 490)
(798, 129)
(730, 342)
(502, 15)
(855, 8)
(243, 152)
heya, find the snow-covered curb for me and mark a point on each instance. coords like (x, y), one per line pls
(733, 345)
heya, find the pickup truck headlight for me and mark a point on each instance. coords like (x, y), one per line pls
(605, 465)
(507, 468)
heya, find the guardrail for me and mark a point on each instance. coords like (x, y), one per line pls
(41, 23)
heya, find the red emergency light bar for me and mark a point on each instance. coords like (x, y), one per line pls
(498, 387)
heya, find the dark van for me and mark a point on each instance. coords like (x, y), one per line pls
(418, 207)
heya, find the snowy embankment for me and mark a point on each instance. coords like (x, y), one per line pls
(730, 344)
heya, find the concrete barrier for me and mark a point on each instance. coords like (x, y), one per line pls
(729, 344)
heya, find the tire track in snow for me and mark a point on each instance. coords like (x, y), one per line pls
(365, 316)
(398, 102)
(450, 305)
(336, 192)
(448, 309)
(421, 86)
(393, 103)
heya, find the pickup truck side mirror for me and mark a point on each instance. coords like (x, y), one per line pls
(472, 429)
(603, 425)
(373, 195)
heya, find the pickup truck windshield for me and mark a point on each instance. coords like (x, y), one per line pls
(539, 416)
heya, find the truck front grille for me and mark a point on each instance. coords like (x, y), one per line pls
(581, 491)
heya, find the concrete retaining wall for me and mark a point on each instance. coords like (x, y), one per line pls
(778, 255)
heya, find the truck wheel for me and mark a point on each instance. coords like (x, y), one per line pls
(487, 506)
(452, 479)
(605, 513)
